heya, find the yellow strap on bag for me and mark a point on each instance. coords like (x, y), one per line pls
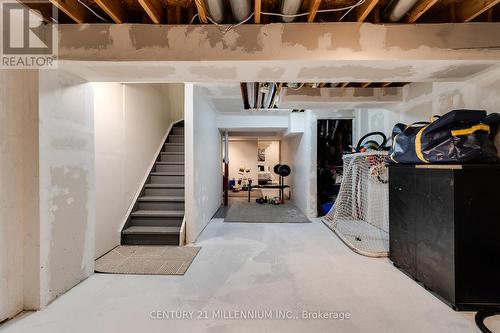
(475, 128)
(418, 145)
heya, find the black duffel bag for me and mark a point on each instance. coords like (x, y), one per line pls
(459, 136)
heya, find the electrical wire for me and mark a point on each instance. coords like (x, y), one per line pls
(92, 11)
(348, 8)
(228, 27)
(300, 86)
(194, 17)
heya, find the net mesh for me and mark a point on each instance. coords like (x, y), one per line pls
(360, 214)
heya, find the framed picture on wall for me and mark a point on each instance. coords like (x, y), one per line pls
(261, 154)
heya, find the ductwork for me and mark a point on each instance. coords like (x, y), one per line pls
(251, 94)
(268, 91)
(216, 10)
(290, 7)
(241, 9)
(399, 8)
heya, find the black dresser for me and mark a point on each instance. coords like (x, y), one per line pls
(444, 230)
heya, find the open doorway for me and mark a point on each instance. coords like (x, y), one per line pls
(255, 180)
(334, 138)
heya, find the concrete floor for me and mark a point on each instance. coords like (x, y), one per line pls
(288, 267)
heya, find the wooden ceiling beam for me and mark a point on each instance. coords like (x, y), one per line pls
(365, 9)
(386, 84)
(73, 9)
(313, 9)
(365, 85)
(113, 8)
(419, 9)
(344, 84)
(154, 9)
(257, 10)
(202, 11)
(468, 10)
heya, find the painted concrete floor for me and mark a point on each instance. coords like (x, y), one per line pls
(255, 267)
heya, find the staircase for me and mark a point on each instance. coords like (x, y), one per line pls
(158, 212)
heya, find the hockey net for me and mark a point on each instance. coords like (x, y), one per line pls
(360, 214)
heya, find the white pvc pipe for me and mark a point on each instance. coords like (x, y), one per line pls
(241, 9)
(400, 9)
(215, 9)
(290, 7)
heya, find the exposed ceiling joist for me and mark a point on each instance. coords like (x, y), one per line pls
(386, 84)
(344, 84)
(420, 8)
(73, 9)
(468, 10)
(154, 9)
(257, 10)
(313, 9)
(202, 11)
(365, 9)
(365, 85)
(113, 8)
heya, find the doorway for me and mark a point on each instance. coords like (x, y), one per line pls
(334, 138)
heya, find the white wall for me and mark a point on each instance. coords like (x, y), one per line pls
(19, 233)
(203, 162)
(66, 138)
(299, 152)
(173, 94)
(244, 153)
(374, 120)
(131, 121)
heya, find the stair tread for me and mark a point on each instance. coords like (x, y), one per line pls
(170, 163)
(171, 173)
(174, 143)
(158, 213)
(151, 230)
(161, 198)
(154, 185)
(173, 152)
(177, 135)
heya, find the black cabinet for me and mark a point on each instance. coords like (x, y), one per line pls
(444, 230)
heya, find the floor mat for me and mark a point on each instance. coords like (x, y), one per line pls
(147, 260)
(255, 213)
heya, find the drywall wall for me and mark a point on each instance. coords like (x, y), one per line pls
(66, 148)
(203, 162)
(174, 100)
(243, 153)
(336, 41)
(131, 121)
(299, 152)
(374, 120)
(19, 233)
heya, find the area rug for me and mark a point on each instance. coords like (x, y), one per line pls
(147, 260)
(253, 212)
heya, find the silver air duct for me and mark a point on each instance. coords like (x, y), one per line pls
(216, 10)
(400, 8)
(290, 7)
(241, 9)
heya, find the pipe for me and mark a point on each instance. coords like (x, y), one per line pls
(269, 95)
(400, 8)
(241, 9)
(251, 95)
(290, 7)
(216, 10)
